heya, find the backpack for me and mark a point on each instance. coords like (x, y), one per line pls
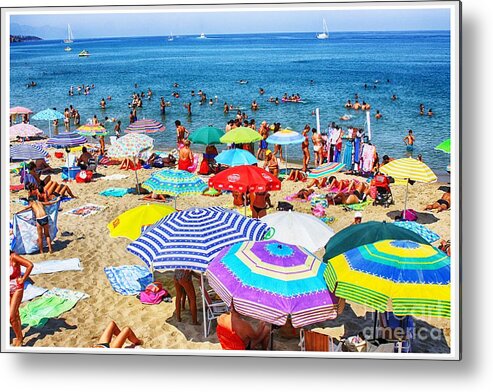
(284, 206)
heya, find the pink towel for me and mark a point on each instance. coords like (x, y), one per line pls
(367, 157)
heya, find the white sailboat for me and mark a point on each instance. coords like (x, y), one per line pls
(170, 38)
(70, 38)
(202, 36)
(325, 33)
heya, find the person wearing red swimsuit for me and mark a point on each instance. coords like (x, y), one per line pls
(185, 161)
(16, 292)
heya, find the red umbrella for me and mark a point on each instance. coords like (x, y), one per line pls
(245, 178)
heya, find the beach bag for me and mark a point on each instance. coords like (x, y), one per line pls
(355, 344)
(284, 206)
(153, 294)
(409, 215)
(83, 176)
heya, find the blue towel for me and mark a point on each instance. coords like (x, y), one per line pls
(128, 279)
(115, 192)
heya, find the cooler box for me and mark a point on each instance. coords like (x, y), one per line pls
(69, 173)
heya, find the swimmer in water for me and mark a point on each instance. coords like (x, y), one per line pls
(348, 104)
(394, 97)
(430, 113)
(379, 115)
(346, 117)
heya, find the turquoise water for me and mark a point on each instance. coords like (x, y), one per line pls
(416, 63)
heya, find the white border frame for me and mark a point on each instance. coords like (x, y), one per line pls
(455, 178)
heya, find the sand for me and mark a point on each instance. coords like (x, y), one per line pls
(156, 324)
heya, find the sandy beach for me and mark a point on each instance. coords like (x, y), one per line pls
(156, 324)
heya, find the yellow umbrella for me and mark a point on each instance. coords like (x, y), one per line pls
(408, 169)
(130, 223)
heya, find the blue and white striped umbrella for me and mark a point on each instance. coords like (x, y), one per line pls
(419, 229)
(67, 139)
(284, 137)
(190, 239)
(27, 152)
(48, 115)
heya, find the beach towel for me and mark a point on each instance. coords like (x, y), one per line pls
(16, 188)
(86, 210)
(50, 305)
(128, 279)
(31, 291)
(347, 157)
(358, 206)
(114, 177)
(115, 192)
(293, 197)
(25, 232)
(367, 157)
(51, 266)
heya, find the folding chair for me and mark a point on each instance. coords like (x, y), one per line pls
(316, 341)
(213, 308)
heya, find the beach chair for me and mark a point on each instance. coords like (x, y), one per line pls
(213, 307)
(92, 164)
(316, 341)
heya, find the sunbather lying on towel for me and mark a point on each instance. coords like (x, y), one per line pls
(441, 204)
(304, 193)
(345, 198)
(106, 340)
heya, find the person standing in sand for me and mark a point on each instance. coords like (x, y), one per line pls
(305, 148)
(181, 133)
(184, 286)
(259, 202)
(17, 281)
(42, 222)
(264, 132)
(317, 147)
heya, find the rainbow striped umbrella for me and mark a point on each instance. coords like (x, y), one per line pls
(145, 126)
(24, 130)
(92, 130)
(326, 170)
(402, 276)
(409, 169)
(272, 281)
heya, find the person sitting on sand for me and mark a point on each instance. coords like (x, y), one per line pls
(17, 280)
(441, 204)
(232, 322)
(32, 171)
(42, 223)
(185, 160)
(271, 163)
(83, 160)
(259, 202)
(304, 194)
(42, 167)
(121, 336)
(184, 286)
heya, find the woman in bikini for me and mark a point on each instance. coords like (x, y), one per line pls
(112, 330)
(317, 147)
(441, 204)
(259, 202)
(305, 148)
(16, 292)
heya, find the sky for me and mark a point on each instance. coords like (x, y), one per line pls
(162, 24)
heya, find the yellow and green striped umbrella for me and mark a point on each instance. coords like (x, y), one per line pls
(409, 168)
(402, 276)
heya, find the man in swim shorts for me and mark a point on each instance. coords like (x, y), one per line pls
(409, 141)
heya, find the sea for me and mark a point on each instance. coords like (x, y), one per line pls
(415, 66)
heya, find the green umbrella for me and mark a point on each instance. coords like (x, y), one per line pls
(241, 135)
(367, 233)
(444, 146)
(207, 135)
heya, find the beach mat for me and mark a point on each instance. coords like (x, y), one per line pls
(358, 206)
(128, 279)
(51, 266)
(50, 305)
(86, 210)
(31, 291)
(116, 192)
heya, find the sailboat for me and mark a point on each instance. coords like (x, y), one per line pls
(202, 36)
(170, 38)
(325, 33)
(70, 38)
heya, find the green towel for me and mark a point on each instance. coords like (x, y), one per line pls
(38, 312)
(358, 206)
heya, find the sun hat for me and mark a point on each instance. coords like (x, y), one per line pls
(358, 214)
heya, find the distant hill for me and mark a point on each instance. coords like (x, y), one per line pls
(23, 38)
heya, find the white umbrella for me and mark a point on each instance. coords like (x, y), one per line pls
(299, 229)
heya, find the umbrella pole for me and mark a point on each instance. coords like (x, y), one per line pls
(203, 304)
(136, 178)
(405, 199)
(287, 159)
(375, 321)
(175, 201)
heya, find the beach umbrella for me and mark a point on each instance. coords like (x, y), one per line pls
(24, 130)
(20, 110)
(132, 145)
(48, 115)
(286, 137)
(174, 183)
(367, 233)
(190, 239)
(241, 135)
(444, 146)
(145, 126)
(67, 139)
(299, 229)
(409, 169)
(245, 178)
(326, 170)
(236, 157)
(92, 130)
(27, 152)
(401, 276)
(206, 135)
(419, 229)
(131, 222)
(271, 281)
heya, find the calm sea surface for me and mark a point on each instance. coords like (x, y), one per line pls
(417, 65)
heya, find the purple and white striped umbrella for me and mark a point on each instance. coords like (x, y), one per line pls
(145, 126)
(271, 281)
(27, 152)
(67, 139)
